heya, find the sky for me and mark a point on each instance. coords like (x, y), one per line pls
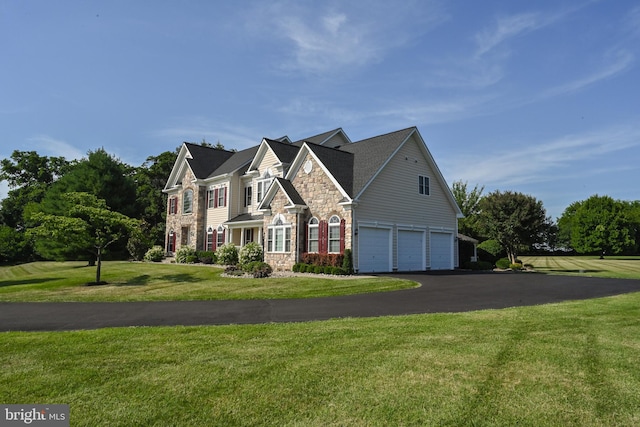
(539, 97)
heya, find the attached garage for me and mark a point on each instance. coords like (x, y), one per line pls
(441, 248)
(411, 250)
(374, 250)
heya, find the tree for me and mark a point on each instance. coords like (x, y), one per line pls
(514, 219)
(601, 225)
(88, 225)
(468, 202)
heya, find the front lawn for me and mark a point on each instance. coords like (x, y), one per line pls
(569, 364)
(66, 281)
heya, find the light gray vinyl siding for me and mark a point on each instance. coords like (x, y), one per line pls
(393, 196)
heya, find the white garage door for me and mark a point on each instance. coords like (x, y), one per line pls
(441, 245)
(411, 250)
(374, 250)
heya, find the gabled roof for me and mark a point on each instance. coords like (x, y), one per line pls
(322, 138)
(287, 188)
(204, 160)
(235, 162)
(339, 163)
(371, 154)
(284, 151)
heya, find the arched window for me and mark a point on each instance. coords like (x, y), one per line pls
(210, 239)
(263, 185)
(220, 236)
(313, 235)
(334, 235)
(187, 202)
(279, 235)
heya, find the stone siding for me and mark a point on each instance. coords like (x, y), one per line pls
(194, 220)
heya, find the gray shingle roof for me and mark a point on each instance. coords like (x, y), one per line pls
(371, 154)
(235, 162)
(291, 191)
(206, 159)
(339, 162)
(318, 139)
(284, 151)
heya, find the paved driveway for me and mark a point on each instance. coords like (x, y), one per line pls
(440, 292)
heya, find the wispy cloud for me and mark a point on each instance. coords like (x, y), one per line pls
(196, 129)
(507, 27)
(50, 146)
(531, 162)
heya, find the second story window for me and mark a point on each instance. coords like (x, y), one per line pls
(222, 196)
(248, 190)
(187, 202)
(423, 185)
(173, 205)
(210, 198)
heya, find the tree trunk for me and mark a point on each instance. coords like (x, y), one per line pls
(99, 259)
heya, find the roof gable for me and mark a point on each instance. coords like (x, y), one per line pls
(287, 189)
(332, 138)
(204, 160)
(285, 152)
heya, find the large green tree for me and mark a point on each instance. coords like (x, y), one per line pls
(515, 220)
(469, 203)
(600, 225)
(88, 225)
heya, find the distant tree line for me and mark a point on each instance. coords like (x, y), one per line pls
(511, 223)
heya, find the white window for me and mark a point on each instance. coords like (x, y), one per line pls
(220, 236)
(210, 197)
(209, 239)
(222, 196)
(247, 196)
(334, 234)
(423, 185)
(279, 236)
(187, 203)
(313, 235)
(263, 185)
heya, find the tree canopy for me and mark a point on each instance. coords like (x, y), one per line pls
(87, 225)
(469, 203)
(513, 219)
(601, 225)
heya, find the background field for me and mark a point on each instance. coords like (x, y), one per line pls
(620, 267)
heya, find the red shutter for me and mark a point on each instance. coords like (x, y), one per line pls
(342, 231)
(225, 196)
(305, 240)
(323, 231)
(215, 199)
(223, 241)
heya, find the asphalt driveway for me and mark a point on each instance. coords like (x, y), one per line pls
(441, 292)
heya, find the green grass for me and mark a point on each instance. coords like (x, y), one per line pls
(592, 266)
(66, 281)
(568, 364)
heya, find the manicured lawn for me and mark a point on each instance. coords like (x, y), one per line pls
(65, 281)
(569, 364)
(617, 267)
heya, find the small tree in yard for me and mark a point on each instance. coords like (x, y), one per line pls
(515, 220)
(88, 225)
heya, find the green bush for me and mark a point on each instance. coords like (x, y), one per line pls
(227, 254)
(296, 267)
(347, 262)
(258, 269)
(184, 253)
(490, 250)
(206, 257)
(516, 266)
(318, 269)
(155, 254)
(250, 252)
(328, 269)
(503, 263)
(477, 265)
(338, 271)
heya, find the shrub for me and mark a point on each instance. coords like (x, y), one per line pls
(155, 254)
(296, 267)
(227, 254)
(250, 252)
(503, 263)
(516, 266)
(333, 260)
(477, 265)
(184, 253)
(328, 269)
(490, 250)
(318, 269)
(260, 269)
(206, 257)
(138, 245)
(338, 271)
(347, 262)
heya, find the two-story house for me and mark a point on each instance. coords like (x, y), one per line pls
(383, 197)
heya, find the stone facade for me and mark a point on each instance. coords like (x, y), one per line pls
(194, 221)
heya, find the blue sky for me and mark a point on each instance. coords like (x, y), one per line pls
(540, 97)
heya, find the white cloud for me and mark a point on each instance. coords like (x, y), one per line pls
(531, 162)
(195, 129)
(506, 28)
(49, 146)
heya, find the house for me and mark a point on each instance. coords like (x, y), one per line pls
(383, 197)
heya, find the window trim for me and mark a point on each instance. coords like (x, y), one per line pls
(209, 242)
(424, 185)
(248, 195)
(279, 228)
(220, 236)
(334, 225)
(187, 197)
(314, 224)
